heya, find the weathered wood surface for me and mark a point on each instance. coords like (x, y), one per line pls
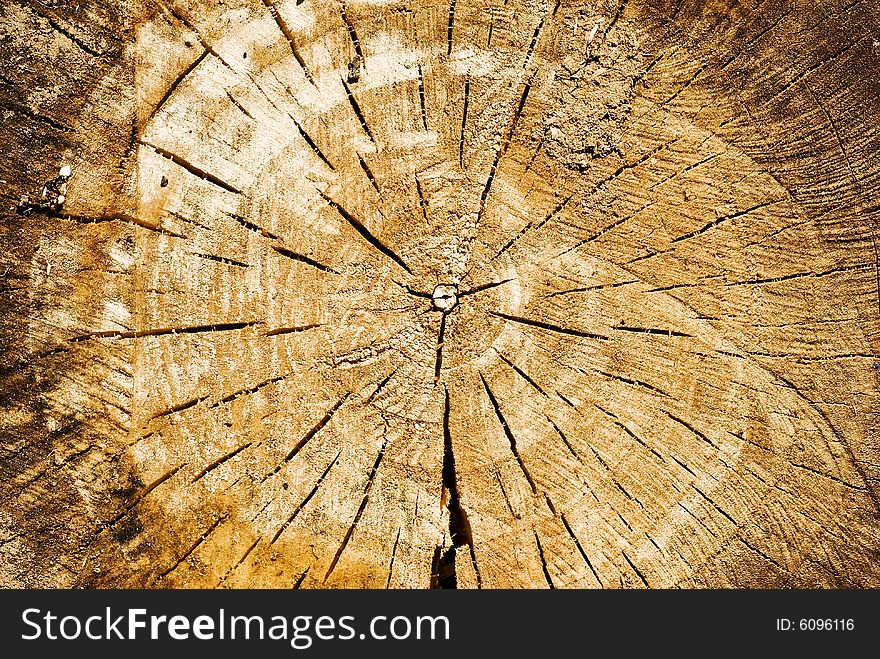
(652, 360)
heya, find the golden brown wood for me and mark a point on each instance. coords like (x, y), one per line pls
(413, 293)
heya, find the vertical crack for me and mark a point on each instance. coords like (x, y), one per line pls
(460, 534)
(438, 361)
(450, 28)
(423, 202)
(464, 117)
(544, 562)
(393, 556)
(422, 98)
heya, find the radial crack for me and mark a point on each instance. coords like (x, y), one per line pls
(537, 34)
(220, 259)
(360, 511)
(140, 497)
(502, 149)
(422, 103)
(305, 501)
(126, 219)
(369, 173)
(192, 549)
(309, 435)
(636, 570)
(423, 202)
(725, 218)
(693, 430)
(565, 441)
(484, 287)
(393, 556)
(450, 27)
(580, 549)
(634, 383)
(616, 421)
(293, 330)
(288, 35)
(252, 227)
(380, 387)
(178, 408)
(250, 390)
(543, 562)
(355, 106)
(302, 577)
(311, 142)
(174, 85)
(365, 233)
(352, 33)
(304, 259)
(459, 527)
(438, 359)
(219, 461)
(240, 561)
(525, 376)
(464, 118)
(532, 226)
(165, 331)
(550, 328)
(191, 168)
(650, 330)
(509, 434)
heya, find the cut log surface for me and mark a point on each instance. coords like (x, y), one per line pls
(432, 293)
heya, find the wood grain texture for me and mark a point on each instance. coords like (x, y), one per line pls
(420, 293)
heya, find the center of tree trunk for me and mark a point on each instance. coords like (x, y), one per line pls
(445, 298)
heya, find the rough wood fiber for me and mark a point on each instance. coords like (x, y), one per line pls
(386, 293)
